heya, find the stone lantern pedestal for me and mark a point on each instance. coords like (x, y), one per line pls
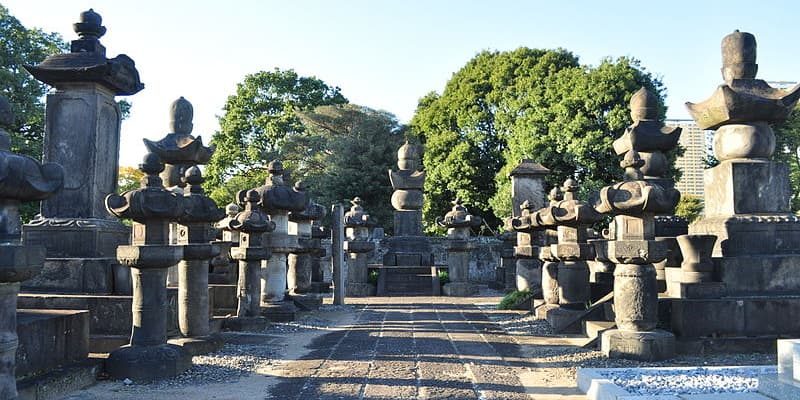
(357, 225)
(275, 306)
(458, 255)
(300, 271)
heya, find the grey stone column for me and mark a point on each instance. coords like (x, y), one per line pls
(151, 207)
(318, 233)
(23, 179)
(459, 222)
(337, 255)
(273, 282)
(358, 225)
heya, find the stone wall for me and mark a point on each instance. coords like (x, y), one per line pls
(483, 261)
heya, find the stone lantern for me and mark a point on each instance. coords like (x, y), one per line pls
(278, 199)
(250, 225)
(634, 203)
(459, 223)
(358, 225)
(152, 208)
(195, 233)
(529, 274)
(222, 266)
(299, 273)
(22, 179)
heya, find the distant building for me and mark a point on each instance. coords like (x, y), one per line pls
(697, 147)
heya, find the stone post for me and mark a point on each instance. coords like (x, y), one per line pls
(82, 129)
(549, 275)
(458, 222)
(151, 207)
(23, 179)
(634, 203)
(508, 264)
(529, 273)
(278, 199)
(318, 233)
(194, 234)
(300, 271)
(222, 266)
(357, 225)
(249, 227)
(337, 255)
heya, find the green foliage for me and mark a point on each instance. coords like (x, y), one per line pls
(373, 276)
(257, 121)
(511, 300)
(689, 207)
(787, 150)
(528, 103)
(344, 152)
(22, 46)
(444, 276)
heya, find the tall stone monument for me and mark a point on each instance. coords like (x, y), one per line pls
(634, 203)
(278, 199)
(357, 227)
(409, 251)
(527, 192)
(756, 255)
(152, 208)
(459, 222)
(82, 131)
(22, 179)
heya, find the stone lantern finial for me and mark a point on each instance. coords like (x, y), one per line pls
(90, 25)
(181, 114)
(569, 188)
(644, 105)
(739, 56)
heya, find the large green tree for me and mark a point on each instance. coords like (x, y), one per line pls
(502, 107)
(346, 151)
(20, 46)
(257, 121)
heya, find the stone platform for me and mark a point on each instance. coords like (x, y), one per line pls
(407, 280)
(49, 339)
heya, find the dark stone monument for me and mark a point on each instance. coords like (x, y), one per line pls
(22, 179)
(357, 225)
(249, 226)
(152, 208)
(459, 222)
(527, 192)
(82, 131)
(634, 204)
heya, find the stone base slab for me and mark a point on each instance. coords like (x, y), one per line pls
(460, 289)
(700, 290)
(60, 382)
(541, 309)
(357, 289)
(759, 275)
(77, 238)
(49, 338)
(245, 324)
(751, 234)
(747, 186)
(199, 345)
(320, 287)
(563, 320)
(82, 275)
(283, 311)
(307, 301)
(148, 363)
(643, 346)
(755, 316)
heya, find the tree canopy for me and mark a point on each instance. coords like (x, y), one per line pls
(502, 107)
(20, 46)
(346, 151)
(257, 120)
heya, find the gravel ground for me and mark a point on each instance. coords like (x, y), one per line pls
(526, 325)
(685, 381)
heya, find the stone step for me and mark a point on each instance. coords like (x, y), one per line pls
(61, 381)
(593, 330)
(49, 339)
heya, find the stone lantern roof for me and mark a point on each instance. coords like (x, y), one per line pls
(179, 146)
(634, 195)
(312, 211)
(87, 62)
(251, 219)
(199, 207)
(276, 195)
(357, 217)
(150, 202)
(459, 217)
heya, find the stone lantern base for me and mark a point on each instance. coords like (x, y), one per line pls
(148, 363)
(654, 345)
(358, 289)
(460, 289)
(279, 311)
(199, 345)
(245, 324)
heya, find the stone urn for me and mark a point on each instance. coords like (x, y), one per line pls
(697, 265)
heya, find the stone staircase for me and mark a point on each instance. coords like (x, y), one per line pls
(408, 281)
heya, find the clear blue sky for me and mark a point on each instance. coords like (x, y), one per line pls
(386, 55)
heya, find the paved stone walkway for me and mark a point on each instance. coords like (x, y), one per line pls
(415, 348)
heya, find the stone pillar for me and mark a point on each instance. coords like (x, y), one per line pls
(357, 225)
(634, 203)
(299, 273)
(508, 264)
(82, 129)
(23, 179)
(458, 222)
(249, 226)
(194, 234)
(278, 199)
(148, 356)
(318, 233)
(337, 255)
